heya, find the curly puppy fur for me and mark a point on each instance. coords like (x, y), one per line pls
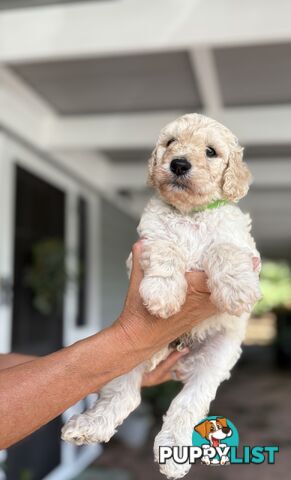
(181, 235)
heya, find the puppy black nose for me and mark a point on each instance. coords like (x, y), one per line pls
(180, 165)
(225, 430)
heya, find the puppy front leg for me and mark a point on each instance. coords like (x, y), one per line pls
(233, 283)
(164, 287)
(202, 371)
(116, 401)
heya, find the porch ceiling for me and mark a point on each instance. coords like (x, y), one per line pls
(92, 83)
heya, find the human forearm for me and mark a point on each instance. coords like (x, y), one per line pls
(11, 359)
(35, 392)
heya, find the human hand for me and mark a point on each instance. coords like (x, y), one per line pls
(165, 370)
(147, 333)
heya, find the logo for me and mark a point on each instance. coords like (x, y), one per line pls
(215, 436)
(215, 441)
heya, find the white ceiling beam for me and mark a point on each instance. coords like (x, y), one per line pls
(266, 125)
(252, 125)
(93, 29)
(95, 169)
(271, 173)
(22, 111)
(205, 72)
(110, 131)
(91, 167)
(128, 176)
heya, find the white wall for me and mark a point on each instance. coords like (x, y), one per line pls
(118, 233)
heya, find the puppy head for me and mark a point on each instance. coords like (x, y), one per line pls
(196, 161)
(214, 429)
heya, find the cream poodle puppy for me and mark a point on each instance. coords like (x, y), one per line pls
(193, 223)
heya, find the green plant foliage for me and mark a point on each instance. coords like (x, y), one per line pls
(47, 275)
(275, 280)
(26, 474)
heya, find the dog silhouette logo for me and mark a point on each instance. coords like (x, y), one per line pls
(215, 435)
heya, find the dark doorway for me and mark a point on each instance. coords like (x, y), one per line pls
(39, 215)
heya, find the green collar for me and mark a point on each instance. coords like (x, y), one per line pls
(210, 206)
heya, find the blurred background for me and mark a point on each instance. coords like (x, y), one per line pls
(85, 87)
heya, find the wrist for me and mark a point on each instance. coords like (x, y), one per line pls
(106, 355)
(135, 337)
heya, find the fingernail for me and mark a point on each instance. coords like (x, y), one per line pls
(184, 351)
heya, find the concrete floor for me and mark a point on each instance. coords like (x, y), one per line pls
(257, 400)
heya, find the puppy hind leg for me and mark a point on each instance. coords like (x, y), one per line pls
(203, 372)
(116, 401)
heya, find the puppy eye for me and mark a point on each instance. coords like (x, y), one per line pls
(210, 152)
(170, 141)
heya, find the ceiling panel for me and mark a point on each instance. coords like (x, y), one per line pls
(255, 75)
(120, 84)
(127, 156)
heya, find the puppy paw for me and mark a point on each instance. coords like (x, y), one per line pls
(236, 295)
(84, 429)
(232, 281)
(170, 468)
(163, 296)
(174, 470)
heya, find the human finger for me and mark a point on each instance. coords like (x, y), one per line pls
(163, 372)
(197, 281)
(136, 271)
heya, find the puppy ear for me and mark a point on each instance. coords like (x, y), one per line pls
(237, 177)
(151, 167)
(202, 429)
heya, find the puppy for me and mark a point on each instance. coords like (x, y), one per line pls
(214, 431)
(192, 223)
